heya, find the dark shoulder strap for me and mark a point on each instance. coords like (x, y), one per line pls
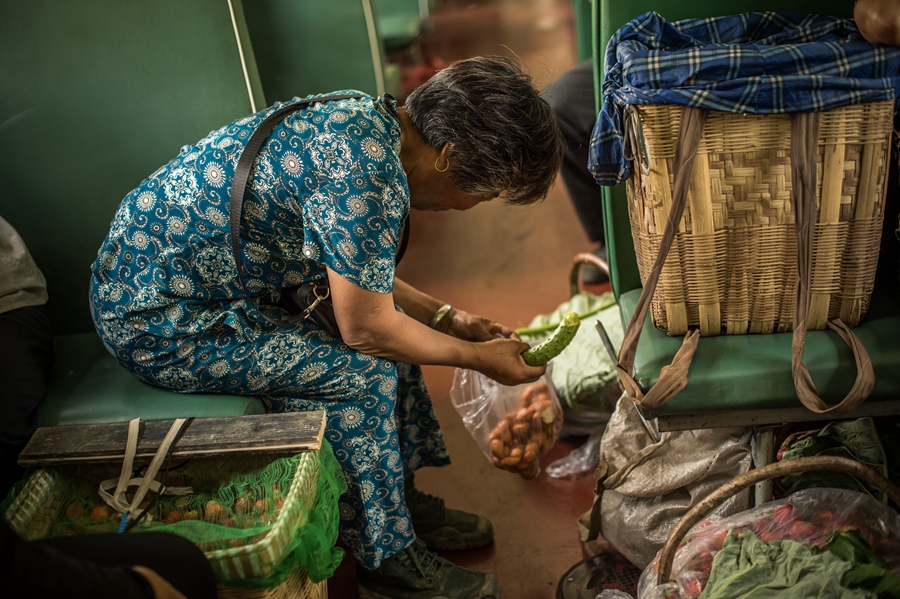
(245, 163)
(404, 241)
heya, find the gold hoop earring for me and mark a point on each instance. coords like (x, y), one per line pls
(441, 170)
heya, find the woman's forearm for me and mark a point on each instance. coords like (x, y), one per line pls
(419, 306)
(370, 323)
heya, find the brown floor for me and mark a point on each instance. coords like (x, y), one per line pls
(509, 263)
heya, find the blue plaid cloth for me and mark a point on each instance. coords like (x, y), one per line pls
(757, 63)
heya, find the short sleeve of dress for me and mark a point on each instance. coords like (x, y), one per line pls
(354, 212)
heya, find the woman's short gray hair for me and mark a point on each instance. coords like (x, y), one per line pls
(504, 136)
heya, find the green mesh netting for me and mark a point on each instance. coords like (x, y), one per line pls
(257, 519)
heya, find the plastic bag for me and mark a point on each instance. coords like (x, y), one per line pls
(580, 460)
(514, 426)
(811, 516)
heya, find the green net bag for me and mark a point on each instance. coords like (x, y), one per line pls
(257, 518)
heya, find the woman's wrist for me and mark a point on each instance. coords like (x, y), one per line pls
(440, 320)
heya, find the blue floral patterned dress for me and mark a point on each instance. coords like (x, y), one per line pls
(327, 188)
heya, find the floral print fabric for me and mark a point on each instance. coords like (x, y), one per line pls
(327, 189)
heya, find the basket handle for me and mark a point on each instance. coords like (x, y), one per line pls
(672, 378)
(577, 262)
(769, 471)
(804, 160)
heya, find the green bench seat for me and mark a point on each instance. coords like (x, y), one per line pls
(99, 94)
(89, 387)
(760, 365)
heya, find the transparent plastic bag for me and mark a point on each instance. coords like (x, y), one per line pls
(812, 516)
(514, 426)
(580, 460)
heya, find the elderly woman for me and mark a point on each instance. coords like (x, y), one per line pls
(329, 193)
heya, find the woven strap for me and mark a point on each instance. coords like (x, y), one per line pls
(804, 157)
(117, 499)
(673, 378)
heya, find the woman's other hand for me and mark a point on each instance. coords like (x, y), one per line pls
(502, 361)
(471, 327)
(162, 589)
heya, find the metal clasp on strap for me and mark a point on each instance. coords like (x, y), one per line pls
(319, 298)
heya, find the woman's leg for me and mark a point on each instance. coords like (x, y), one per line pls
(421, 440)
(301, 369)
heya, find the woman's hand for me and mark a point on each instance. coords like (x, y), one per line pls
(502, 361)
(162, 589)
(471, 327)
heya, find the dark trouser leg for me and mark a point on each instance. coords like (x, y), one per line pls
(572, 99)
(26, 357)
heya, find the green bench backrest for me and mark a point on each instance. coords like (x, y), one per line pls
(305, 47)
(97, 94)
(609, 16)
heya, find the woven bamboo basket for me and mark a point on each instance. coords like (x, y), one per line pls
(298, 586)
(733, 266)
(39, 505)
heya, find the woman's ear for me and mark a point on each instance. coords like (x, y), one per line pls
(446, 152)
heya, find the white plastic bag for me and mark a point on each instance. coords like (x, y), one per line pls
(514, 426)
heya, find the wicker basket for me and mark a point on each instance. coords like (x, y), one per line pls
(298, 586)
(733, 266)
(38, 506)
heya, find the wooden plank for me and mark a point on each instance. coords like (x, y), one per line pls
(205, 437)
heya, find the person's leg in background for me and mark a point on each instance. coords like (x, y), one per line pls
(572, 99)
(26, 358)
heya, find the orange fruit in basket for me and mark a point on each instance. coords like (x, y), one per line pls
(173, 517)
(242, 505)
(214, 511)
(99, 513)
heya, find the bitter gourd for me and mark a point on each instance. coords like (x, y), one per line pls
(551, 347)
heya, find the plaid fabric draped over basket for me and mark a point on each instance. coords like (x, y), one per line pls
(746, 219)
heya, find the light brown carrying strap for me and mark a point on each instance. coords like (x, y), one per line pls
(673, 377)
(117, 500)
(804, 159)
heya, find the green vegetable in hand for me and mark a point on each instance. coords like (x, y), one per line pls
(551, 347)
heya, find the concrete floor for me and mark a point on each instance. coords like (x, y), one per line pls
(509, 263)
